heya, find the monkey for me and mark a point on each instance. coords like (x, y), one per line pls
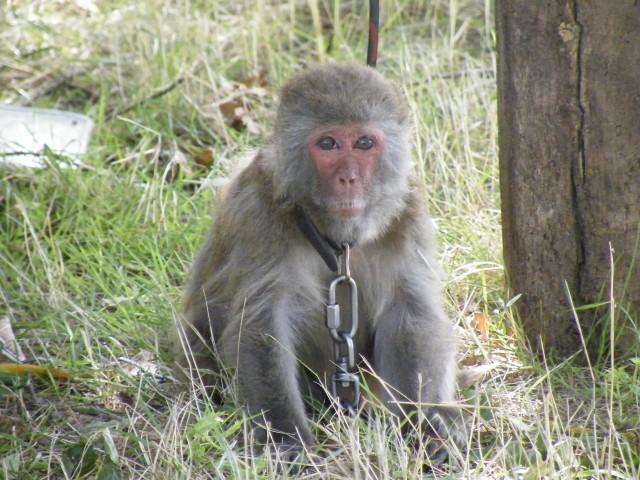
(338, 161)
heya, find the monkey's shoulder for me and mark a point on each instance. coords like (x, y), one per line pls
(250, 211)
(413, 219)
(416, 208)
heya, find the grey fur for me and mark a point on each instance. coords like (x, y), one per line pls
(257, 288)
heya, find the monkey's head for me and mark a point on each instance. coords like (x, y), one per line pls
(341, 140)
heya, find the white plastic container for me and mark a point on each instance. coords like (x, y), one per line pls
(25, 131)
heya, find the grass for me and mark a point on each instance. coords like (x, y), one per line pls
(92, 259)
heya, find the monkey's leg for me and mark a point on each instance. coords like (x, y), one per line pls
(414, 354)
(268, 382)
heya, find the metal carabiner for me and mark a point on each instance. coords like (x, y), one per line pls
(334, 320)
(345, 377)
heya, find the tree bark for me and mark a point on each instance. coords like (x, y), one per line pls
(569, 138)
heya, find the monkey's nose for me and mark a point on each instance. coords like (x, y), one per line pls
(347, 176)
(347, 180)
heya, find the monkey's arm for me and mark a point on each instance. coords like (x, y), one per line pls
(415, 343)
(245, 275)
(415, 356)
(415, 346)
(262, 350)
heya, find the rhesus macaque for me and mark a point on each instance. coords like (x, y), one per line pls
(258, 288)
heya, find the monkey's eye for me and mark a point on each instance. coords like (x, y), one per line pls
(364, 143)
(327, 143)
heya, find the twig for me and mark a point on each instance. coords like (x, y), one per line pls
(50, 86)
(158, 92)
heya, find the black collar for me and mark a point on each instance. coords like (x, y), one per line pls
(326, 248)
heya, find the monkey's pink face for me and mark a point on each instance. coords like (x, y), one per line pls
(345, 157)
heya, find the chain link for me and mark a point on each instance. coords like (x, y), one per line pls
(345, 379)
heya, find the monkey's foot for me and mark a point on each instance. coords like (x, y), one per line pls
(437, 453)
(447, 422)
(290, 458)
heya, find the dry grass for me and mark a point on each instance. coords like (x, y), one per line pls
(92, 259)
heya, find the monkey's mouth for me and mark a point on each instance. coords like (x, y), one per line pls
(347, 209)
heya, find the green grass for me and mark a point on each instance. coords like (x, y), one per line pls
(92, 259)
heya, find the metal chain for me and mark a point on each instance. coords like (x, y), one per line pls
(345, 379)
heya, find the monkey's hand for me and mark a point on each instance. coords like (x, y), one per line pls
(446, 432)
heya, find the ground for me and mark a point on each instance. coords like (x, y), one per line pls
(93, 255)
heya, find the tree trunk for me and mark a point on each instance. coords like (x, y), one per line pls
(569, 138)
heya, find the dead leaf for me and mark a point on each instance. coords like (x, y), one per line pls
(9, 346)
(119, 402)
(468, 376)
(236, 107)
(471, 361)
(257, 79)
(228, 108)
(144, 361)
(205, 157)
(481, 323)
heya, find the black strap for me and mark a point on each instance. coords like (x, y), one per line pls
(326, 248)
